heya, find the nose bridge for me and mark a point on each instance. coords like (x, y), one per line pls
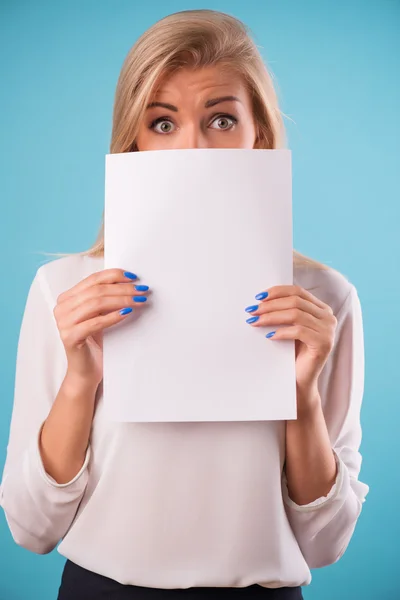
(193, 136)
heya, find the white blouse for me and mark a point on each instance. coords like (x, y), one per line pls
(175, 505)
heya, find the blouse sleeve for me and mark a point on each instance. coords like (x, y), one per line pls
(38, 510)
(324, 527)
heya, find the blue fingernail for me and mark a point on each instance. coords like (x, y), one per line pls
(139, 298)
(130, 275)
(270, 334)
(141, 288)
(262, 296)
(125, 311)
(251, 308)
(252, 319)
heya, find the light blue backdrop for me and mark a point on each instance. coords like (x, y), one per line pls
(337, 67)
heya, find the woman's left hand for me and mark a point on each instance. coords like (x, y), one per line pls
(308, 321)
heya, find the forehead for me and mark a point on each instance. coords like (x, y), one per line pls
(200, 80)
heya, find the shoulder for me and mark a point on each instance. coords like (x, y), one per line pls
(59, 275)
(329, 285)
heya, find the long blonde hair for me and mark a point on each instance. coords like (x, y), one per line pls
(193, 38)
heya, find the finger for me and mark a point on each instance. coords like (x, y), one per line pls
(281, 291)
(288, 302)
(290, 316)
(104, 276)
(99, 291)
(79, 333)
(296, 332)
(100, 306)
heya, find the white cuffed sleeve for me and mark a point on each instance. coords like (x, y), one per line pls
(324, 527)
(38, 510)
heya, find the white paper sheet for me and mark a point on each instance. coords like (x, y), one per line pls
(207, 230)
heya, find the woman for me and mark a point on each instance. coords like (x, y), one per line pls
(184, 508)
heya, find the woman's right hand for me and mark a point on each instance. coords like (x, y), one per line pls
(82, 313)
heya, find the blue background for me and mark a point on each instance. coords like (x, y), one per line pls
(337, 69)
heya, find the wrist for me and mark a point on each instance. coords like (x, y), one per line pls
(75, 384)
(308, 403)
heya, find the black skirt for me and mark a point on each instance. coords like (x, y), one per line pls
(78, 583)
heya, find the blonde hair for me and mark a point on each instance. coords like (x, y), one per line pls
(195, 39)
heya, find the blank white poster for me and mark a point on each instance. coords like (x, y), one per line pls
(207, 230)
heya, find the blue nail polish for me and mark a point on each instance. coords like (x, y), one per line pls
(141, 288)
(252, 319)
(251, 308)
(130, 275)
(262, 296)
(139, 298)
(125, 311)
(270, 334)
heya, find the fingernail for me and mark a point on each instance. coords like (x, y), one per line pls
(130, 275)
(139, 298)
(252, 319)
(125, 311)
(270, 334)
(141, 288)
(251, 308)
(262, 296)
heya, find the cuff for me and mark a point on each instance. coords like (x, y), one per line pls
(39, 462)
(319, 502)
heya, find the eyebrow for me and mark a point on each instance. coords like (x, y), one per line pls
(215, 101)
(208, 104)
